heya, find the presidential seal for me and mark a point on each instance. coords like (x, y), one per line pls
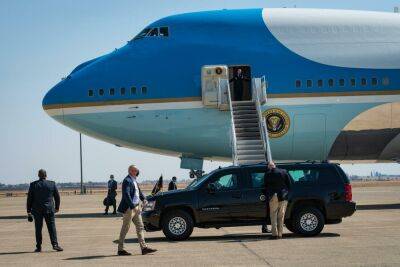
(278, 122)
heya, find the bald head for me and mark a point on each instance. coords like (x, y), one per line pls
(271, 165)
(42, 174)
(133, 171)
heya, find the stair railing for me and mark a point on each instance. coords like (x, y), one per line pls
(233, 131)
(260, 97)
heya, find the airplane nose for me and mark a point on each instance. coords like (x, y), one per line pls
(52, 101)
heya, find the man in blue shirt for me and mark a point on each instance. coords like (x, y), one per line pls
(131, 209)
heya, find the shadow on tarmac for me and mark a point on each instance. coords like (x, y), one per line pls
(16, 253)
(91, 257)
(379, 206)
(100, 215)
(229, 238)
(66, 216)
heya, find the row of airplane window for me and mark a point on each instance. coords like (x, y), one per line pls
(122, 91)
(342, 82)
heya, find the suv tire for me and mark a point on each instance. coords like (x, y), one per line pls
(308, 221)
(290, 227)
(177, 225)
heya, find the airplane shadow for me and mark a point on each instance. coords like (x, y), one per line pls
(100, 215)
(65, 216)
(229, 238)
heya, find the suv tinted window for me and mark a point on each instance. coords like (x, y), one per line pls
(226, 181)
(257, 179)
(322, 175)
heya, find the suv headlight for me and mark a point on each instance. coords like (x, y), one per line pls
(149, 206)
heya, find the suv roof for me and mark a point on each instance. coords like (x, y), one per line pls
(262, 164)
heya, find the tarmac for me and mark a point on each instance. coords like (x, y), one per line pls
(371, 237)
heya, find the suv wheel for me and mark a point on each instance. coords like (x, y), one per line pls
(308, 221)
(177, 225)
(289, 226)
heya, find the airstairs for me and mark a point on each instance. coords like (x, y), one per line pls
(249, 133)
(249, 147)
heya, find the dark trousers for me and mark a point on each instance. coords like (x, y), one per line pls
(238, 93)
(51, 227)
(112, 201)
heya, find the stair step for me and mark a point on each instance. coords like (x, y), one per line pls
(249, 142)
(259, 153)
(245, 116)
(249, 120)
(248, 134)
(247, 130)
(249, 147)
(248, 162)
(244, 112)
(242, 103)
(246, 125)
(249, 138)
(239, 108)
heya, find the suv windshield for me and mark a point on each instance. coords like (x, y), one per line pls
(198, 181)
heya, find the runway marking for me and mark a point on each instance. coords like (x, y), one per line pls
(249, 249)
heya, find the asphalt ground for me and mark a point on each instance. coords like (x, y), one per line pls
(371, 237)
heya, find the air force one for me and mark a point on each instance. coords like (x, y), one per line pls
(324, 85)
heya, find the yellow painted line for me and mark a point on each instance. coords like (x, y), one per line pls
(327, 94)
(122, 102)
(190, 99)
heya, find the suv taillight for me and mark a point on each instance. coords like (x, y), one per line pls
(348, 194)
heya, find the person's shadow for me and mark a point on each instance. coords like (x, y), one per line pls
(94, 257)
(15, 253)
(231, 238)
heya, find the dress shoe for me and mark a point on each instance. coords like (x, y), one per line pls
(123, 253)
(57, 248)
(38, 250)
(114, 212)
(264, 229)
(147, 250)
(105, 213)
(273, 238)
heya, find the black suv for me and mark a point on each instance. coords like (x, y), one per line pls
(235, 196)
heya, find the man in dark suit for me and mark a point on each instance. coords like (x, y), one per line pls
(238, 85)
(172, 184)
(111, 195)
(130, 206)
(277, 186)
(40, 204)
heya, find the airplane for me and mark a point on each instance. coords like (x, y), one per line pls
(331, 80)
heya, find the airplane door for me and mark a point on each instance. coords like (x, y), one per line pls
(210, 83)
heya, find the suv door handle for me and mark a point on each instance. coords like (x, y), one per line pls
(237, 195)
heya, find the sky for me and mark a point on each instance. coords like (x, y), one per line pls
(42, 41)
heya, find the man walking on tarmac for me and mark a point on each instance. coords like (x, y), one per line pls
(277, 185)
(111, 195)
(130, 207)
(40, 204)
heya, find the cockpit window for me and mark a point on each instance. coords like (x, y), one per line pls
(164, 31)
(142, 34)
(152, 32)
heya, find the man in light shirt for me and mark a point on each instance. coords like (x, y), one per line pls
(130, 207)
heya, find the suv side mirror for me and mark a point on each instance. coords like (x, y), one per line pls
(211, 188)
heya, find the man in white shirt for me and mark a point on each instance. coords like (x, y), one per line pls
(130, 207)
